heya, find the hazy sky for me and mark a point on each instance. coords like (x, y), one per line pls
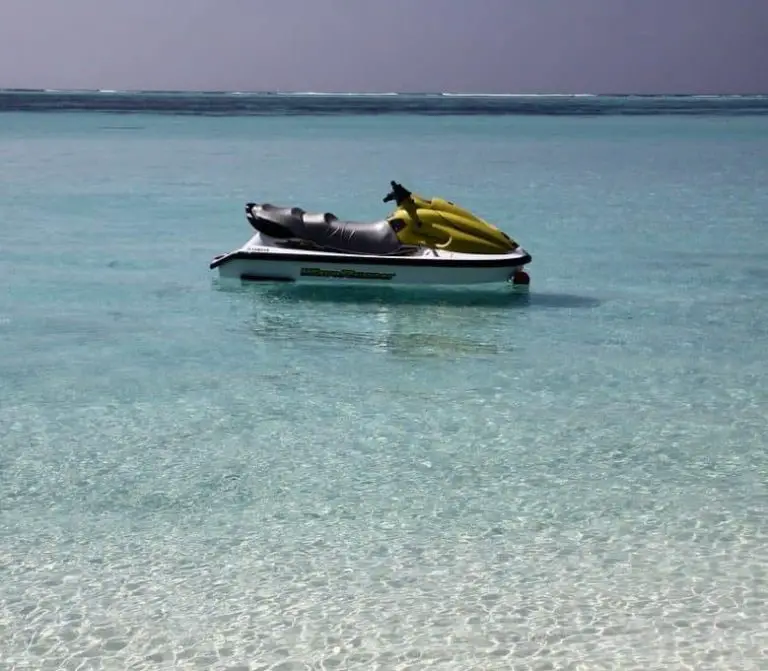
(519, 46)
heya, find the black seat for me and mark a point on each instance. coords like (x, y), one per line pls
(324, 229)
(274, 221)
(375, 237)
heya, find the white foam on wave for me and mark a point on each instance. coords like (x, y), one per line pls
(449, 94)
(335, 94)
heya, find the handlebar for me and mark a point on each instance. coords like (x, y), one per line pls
(399, 193)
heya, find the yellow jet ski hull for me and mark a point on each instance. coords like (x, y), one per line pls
(444, 225)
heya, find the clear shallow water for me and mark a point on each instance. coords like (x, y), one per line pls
(200, 476)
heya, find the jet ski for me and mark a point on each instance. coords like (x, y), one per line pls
(422, 242)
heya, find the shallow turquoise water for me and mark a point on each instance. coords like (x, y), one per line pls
(200, 476)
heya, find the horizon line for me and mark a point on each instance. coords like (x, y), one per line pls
(488, 94)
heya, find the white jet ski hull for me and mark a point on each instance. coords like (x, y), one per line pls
(260, 261)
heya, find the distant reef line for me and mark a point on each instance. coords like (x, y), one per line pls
(280, 103)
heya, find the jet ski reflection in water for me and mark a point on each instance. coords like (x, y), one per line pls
(422, 242)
